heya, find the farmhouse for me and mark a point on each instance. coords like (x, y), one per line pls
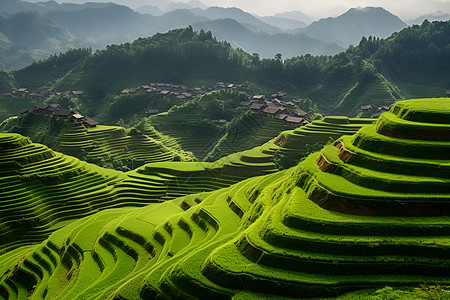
(271, 112)
(294, 121)
(77, 118)
(90, 123)
(63, 113)
(257, 107)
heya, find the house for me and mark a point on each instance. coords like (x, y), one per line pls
(222, 122)
(448, 93)
(257, 107)
(42, 107)
(53, 107)
(63, 113)
(165, 92)
(244, 104)
(37, 95)
(290, 104)
(282, 116)
(299, 113)
(277, 102)
(281, 94)
(24, 111)
(258, 97)
(77, 118)
(77, 93)
(367, 107)
(90, 123)
(22, 91)
(271, 112)
(294, 121)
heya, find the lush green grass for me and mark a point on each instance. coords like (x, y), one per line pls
(345, 220)
(107, 146)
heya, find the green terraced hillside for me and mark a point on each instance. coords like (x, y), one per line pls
(250, 131)
(188, 130)
(310, 231)
(291, 146)
(106, 146)
(40, 188)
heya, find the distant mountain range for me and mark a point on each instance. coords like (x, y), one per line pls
(348, 28)
(61, 26)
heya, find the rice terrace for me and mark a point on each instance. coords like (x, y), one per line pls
(184, 150)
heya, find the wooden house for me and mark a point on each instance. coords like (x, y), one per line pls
(294, 121)
(257, 107)
(90, 123)
(271, 112)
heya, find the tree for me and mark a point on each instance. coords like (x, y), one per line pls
(278, 56)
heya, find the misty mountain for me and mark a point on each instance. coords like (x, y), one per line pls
(166, 6)
(283, 23)
(246, 19)
(150, 9)
(28, 35)
(295, 15)
(348, 28)
(438, 16)
(36, 31)
(264, 44)
(10, 7)
(176, 19)
(104, 25)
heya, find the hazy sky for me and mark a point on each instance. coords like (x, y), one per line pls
(405, 9)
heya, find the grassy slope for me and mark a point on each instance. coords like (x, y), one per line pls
(262, 236)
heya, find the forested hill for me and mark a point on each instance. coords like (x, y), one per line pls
(377, 71)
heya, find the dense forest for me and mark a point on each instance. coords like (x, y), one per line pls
(372, 71)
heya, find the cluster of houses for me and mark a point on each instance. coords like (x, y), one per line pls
(180, 92)
(277, 107)
(24, 92)
(59, 112)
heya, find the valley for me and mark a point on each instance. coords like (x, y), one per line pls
(175, 150)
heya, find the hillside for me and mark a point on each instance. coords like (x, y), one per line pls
(266, 45)
(375, 72)
(348, 28)
(309, 231)
(28, 35)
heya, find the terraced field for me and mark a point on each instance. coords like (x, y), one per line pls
(40, 188)
(191, 138)
(108, 146)
(367, 211)
(252, 131)
(291, 146)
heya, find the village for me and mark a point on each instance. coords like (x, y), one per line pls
(275, 106)
(61, 113)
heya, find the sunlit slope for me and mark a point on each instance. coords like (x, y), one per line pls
(264, 235)
(108, 146)
(291, 146)
(157, 182)
(40, 187)
(400, 166)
